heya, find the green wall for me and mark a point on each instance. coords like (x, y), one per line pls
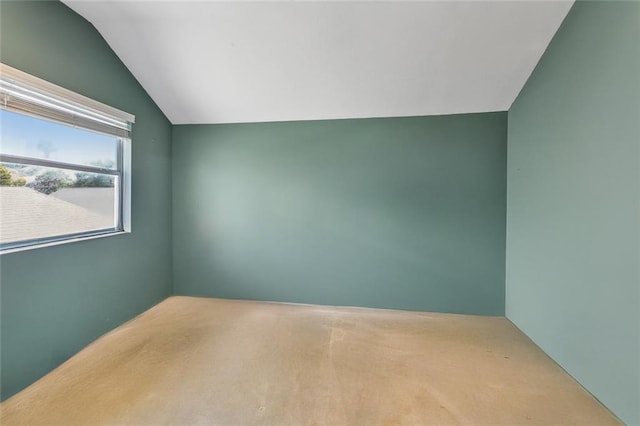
(56, 300)
(402, 213)
(573, 221)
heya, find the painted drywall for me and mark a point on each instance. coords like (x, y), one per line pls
(56, 300)
(573, 234)
(402, 213)
(208, 62)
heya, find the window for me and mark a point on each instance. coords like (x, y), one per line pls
(64, 164)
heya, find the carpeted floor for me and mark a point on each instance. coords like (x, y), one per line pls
(212, 361)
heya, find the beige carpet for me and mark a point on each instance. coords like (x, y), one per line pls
(212, 361)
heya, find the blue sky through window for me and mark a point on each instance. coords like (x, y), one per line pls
(32, 137)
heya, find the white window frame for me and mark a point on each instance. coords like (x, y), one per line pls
(29, 95)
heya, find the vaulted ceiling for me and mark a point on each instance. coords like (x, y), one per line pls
(220, 62)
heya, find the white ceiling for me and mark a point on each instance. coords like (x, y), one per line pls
(226, 62)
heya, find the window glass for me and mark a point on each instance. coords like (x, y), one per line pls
(27, 136)
(64, 164)
(44, 202)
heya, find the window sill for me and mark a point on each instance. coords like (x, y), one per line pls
(61, 242)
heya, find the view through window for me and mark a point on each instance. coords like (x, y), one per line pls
(62, 181)
(58, 181)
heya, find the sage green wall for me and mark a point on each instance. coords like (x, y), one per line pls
(573, 234)
(56, 300)
(402, 213)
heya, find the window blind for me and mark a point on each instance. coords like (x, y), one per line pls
(23, 93)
